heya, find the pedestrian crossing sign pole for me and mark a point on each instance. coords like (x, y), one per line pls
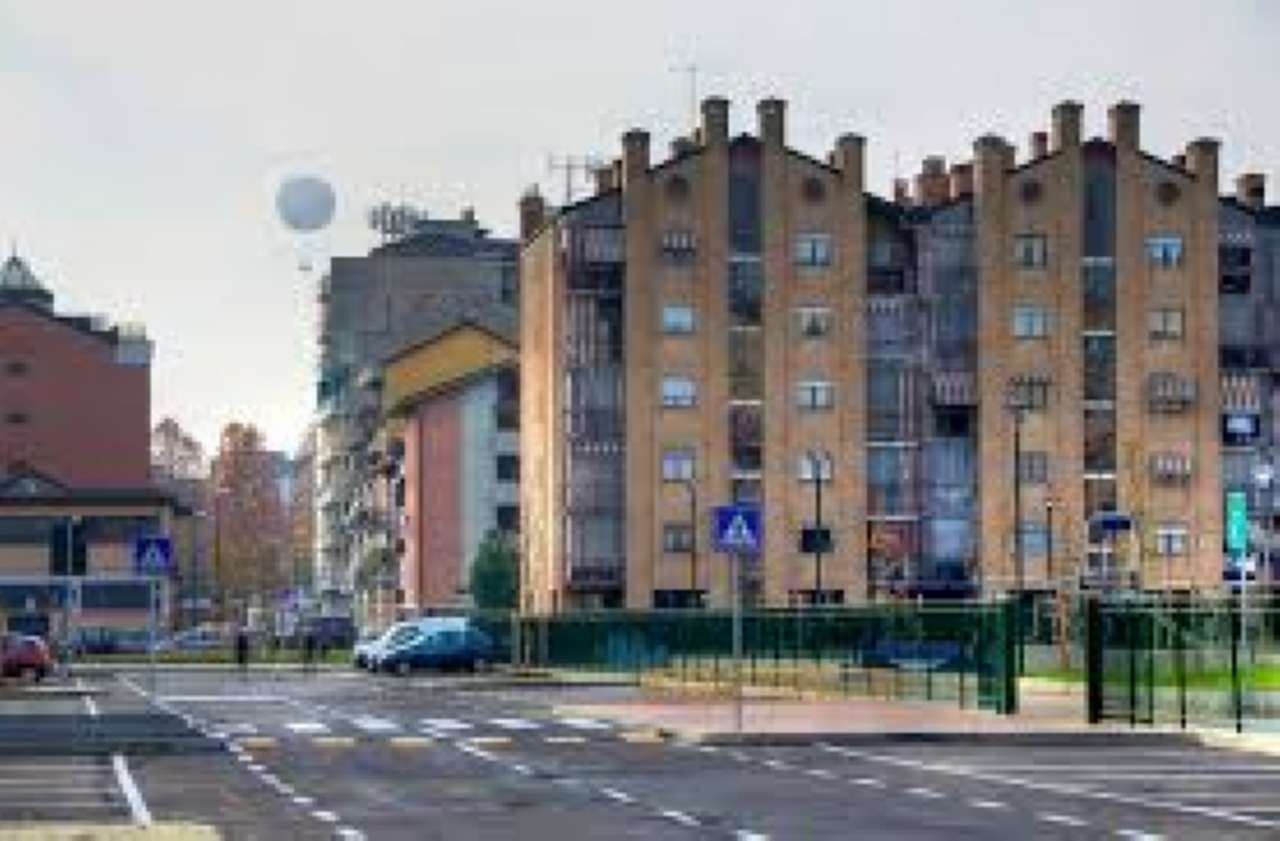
(737, 533)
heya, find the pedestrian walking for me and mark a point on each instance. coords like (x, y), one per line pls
(242, 651)
(309, 651)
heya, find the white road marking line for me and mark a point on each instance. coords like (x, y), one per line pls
(303, 801)
(1164, 775)
(255, 768)
(137, 806)
(1065, 820)
(219, 699)
(350, 834)
(679, 817)
(478, 753)
(327, 817)
(1084, 769)
(371, 724)
(1138, 835)
(521, 769)
(565, 740)
(869, 782)
(737, 755)
(444, 725)
(620, 796)
(307, 727)
(777, 765)
(989, 804)
(921, 791)
(747, 835)
(585, 723)
(707, 749)
(241, 728)
(245, 758)
(90, 704)
(821, 773)
(1055, 788)
(514, 723)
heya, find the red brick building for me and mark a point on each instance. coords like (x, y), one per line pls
(75, 489)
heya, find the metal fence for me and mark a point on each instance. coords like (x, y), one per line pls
(1203, 662)
(963, 653)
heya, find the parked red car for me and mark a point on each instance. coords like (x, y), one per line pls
(25, 657)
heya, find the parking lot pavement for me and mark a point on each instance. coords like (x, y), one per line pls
(81, 789)
(331, 756)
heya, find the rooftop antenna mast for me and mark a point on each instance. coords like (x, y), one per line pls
(691, 70)
(570, 166)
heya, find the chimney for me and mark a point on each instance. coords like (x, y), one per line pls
(533, 213)
(1202, 160)
(1067, 117)
(990, 154)
(1179, 160)
(901, 192)
(933, 187)
(469, 215)
(772, 114)
(635, 155)
(849, 156)
(961, 180)
(604, 179)
(1251, 190)
(1123, 120)
(682, 146)
(715, 121)
(1038, 145)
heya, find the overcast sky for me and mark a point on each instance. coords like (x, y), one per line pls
(140, 142)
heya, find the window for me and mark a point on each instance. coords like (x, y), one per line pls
(677, 319)
(1171, 540)
(814, 465)
(16, 367)
(507, 284)
(1033, 467)
(813, 322)
(677, 537)
(678, 465)
(1165, 323)
(1164, 251)
(1030, 322)
(678, 391)
(1029, 392)
(508, 468)
(1169, 392)
(813, 250)
(1099, 367)
(678, 245)
(1030, 251)
(16, 418)
(508, 518)
(1235, 267)
(815, 394)
(1035, 539)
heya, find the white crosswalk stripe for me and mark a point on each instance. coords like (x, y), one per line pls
(585, 723)
(371, 724)
(307, 728)
(514, 723)
(444, 725)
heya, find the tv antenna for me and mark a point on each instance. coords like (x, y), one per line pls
(571, 166)
(691, 70)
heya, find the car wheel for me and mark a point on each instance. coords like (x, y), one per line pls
(402, 668)
(29, 673)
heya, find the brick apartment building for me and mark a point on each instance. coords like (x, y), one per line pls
(970, 373)
(75, 488)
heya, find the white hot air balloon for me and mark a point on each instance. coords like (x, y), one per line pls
(305, 203)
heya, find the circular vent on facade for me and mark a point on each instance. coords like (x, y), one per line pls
(813, 190)
(677, 188)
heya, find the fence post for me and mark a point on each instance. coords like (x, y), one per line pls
(1012, 650)
(1093, 659)
(1237, 698)
(1180, 651)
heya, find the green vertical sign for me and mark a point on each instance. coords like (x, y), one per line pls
(1237, 523)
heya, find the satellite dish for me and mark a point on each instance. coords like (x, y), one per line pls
(305, 203)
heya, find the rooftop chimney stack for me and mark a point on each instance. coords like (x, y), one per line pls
(961, 180)
(715, 121)
(1038, 145)
(1123, 123)
(1067, 117)
(1251, 190)
(901, 192)
(1202, 160)
(772, 113)
(1179, 160)
(849, 157)
(604, 179)
(933, 186)
(635, 155)
(533, 213)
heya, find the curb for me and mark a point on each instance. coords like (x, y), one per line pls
(1249, 742)
(43, 693)
(1068, 738)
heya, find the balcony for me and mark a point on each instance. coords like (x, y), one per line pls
(1170, 393)
(1170, 468)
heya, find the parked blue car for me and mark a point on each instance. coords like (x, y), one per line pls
(444, 648)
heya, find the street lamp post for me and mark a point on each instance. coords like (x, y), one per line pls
(1017, 403)
(1263, 474)
(691, 486)
(815, 471)
(1048, 547)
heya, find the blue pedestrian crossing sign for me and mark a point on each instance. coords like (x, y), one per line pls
(737, 529)
(152, 556)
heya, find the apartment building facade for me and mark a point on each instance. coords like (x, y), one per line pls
(1022, 374)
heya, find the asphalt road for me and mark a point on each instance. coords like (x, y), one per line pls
(344, 756)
